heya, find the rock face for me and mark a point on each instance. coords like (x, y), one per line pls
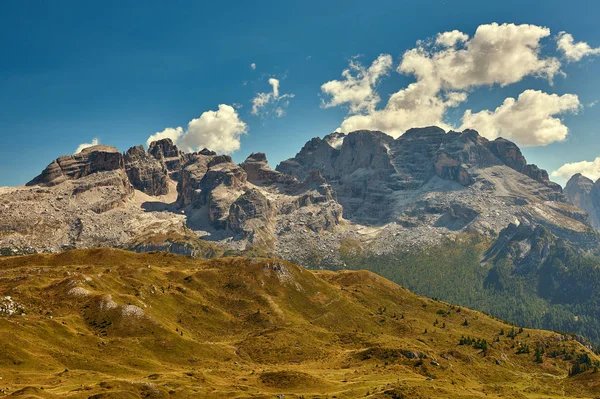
(511, 155)
(98, 158)
(172, 157)
(258, 171)
(584, 193)
(370, 171)
(251, 213)
(145, 172)
(386, 194)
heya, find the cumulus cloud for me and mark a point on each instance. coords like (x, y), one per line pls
(572, 51)
(497, 54)
(253, 66)
(172, 133)
(271, 103)
(216, 130)
(529, 120)
(82, 146)
(590, 169)
(357, 88)
(445, 70)
(450, 39)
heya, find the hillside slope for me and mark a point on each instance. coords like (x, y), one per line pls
(105, 323)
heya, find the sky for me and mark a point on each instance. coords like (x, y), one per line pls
(242, 77)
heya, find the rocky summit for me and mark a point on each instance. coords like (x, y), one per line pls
(385, 193)
(584, 193)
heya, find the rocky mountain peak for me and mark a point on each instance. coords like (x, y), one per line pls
(584, 193)
(172, 157)
(579, 183)
(414, 189)
(259, 172)
(98, 158)
(164, 148)
(146, 173)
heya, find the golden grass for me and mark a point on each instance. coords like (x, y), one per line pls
(106, 323)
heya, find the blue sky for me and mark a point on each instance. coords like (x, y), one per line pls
(124, 70)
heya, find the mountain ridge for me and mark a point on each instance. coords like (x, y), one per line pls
(336, 186)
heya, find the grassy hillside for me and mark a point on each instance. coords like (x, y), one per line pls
(558, 293)
(106, 323)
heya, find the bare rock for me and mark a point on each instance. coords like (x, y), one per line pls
(584, 193)
(249, 213)
(259, 171)
(99, 158)
(145, 172)
(172, 157)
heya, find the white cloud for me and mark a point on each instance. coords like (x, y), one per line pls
(357, 89)
(592, 104)
(497, 54)
(589, 169)
(272, 102)
(216, 130)
(529, 120)
(445, 70)
(572, 51)
(169, 133)
(82, 146)
(449, 39)
(253, 66)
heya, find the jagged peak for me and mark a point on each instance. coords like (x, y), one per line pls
(163, 148)
(335, 139)
(578, 178)
(257, 157)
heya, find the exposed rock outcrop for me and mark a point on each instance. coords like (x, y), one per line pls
(251, 213)
(98, 158)
(259, 172)
(373, 174)
(511, 155)
(172, 157)
(145, 172)
(584, 193)
(386, 194)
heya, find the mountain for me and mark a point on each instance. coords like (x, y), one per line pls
(106, 323)
(387, 193)
(584, 193)
(447, 215)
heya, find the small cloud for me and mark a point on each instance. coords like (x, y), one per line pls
(572, 51)
(357, 88)
(253, 66)
(82, 146)
(308, 57)
(592, 104)
(216, 130)
(260, 103)
(590, 169)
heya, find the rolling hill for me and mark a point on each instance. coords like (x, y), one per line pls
(107, 323)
